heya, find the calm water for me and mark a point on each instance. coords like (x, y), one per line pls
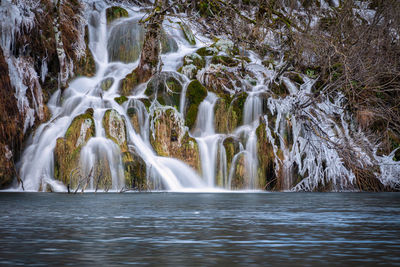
(178, 229)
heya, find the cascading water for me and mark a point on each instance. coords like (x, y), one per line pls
(37, 162)
(114, 134)
(207, 139)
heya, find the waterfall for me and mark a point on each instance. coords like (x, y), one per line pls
(207, 139)
(36, 167)
(96, 138)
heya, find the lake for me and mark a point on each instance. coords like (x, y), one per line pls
(200, 229)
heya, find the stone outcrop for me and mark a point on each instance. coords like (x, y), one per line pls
(169, 137)
(68, 148)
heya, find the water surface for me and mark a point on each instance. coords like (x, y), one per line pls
(200, 229)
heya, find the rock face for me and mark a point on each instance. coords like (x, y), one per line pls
(229, 113)
(115, 12)
(11, 131)
(187, 32)
(125, 41)
(166, 87)
(68, 148)
(195, 94)
(134, 166)
(265, 153)
(170, 138)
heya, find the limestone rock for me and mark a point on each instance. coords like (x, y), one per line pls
(166, 87)
(195, 94)
(115, 12)
(169, 137)
(68, 148)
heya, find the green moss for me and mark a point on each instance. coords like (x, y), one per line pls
(75, 125)
(279, 89)
(134, 171)
(121, 99)
(225, 60)
(166, 88)
(194, 59)
(168, 44)
(114, 13)
(195, 94)
(68, 148)
(237, 107)
(129, 82)
(187, 32)
(115, 128)
(106, 83)
(207, 51)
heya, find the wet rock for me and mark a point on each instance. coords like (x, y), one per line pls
(106, 83)
(115, 12)
(169, 137)
(207, 51)
(220, 80)
(68, 148)
(134, 118)
(240, 177)
(125, 41)
(114, 126)
(168, 43)
(135, 171)
(187, 32)
(225, 60)
(266, 160)
(166, 87)
(129, 83)
(195, 94)
(121, 99)
(192, 63)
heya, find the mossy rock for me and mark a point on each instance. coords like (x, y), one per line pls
(134, 118)
(194, 59)
(295, 77)
(232, 147)
(207, 51)
(170, 138)
(224, 60)
(166, 87)
(192, 63)
(125, 41)
(279, 89)
(187, 32)
(266, 160)
(168, 43)
(115, 128)
(115, 12)
(189, 71)
(240, 177)
(106, 83)
(129, 83)
(68, 148)
(235, 111)
(134, 171)
(195, 94)
(220, 116)
(121, 99)
(221, 80)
